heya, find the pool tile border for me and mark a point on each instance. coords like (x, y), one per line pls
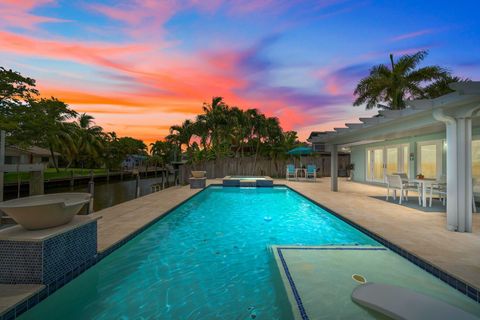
(458, 284)
(27, 304)
(293, 287)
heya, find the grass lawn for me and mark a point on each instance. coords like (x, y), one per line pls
(51, 173)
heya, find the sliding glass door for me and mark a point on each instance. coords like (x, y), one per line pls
(386, 160)
(429, 159)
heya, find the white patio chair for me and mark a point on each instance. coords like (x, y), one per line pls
(395, 182)
(474, 206)
(409, 185)
(439, 189)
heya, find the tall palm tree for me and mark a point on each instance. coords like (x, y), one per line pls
(387, 87)
(89, 137)
(215, 120)
(181, 135)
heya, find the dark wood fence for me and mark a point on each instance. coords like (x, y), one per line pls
(274, 168)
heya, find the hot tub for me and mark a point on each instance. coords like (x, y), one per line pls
(247, 181)
(45, 211)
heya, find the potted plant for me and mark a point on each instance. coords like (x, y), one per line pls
(350, 169)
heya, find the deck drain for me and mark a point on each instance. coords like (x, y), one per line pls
(358, 278)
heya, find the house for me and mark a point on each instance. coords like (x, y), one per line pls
(29, 155)
(315, 139)
(434, 137)
(133, 161)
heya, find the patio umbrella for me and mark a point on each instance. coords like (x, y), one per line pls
(300, 151)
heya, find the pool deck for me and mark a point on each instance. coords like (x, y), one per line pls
(421, 233)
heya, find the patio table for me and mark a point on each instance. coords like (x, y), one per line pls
(304, 173)
(424, 184)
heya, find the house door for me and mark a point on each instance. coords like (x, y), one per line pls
(375, 165)
(429, 157)
(386, 160)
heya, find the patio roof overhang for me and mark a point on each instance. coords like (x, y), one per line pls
(417, 119)
(453, 114)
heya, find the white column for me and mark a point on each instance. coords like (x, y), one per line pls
(334, 168)
(459, 171)
(464, 174)
(452, 219)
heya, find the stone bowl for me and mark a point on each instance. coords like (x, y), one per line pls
(199, 174)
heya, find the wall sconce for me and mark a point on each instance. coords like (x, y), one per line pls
(412, 156)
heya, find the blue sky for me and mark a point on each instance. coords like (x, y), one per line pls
(140, 66)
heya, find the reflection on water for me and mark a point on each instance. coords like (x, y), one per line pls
(110, 194)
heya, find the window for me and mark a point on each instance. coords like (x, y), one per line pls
(429, 155)
(476, 165)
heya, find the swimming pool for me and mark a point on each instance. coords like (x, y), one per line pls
(210, 258)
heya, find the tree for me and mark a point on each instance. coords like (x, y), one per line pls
(15, 92)
(89, 138)
(441, 86)
(387, 87)
(46, 124)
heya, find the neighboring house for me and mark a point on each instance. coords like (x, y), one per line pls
(315, 139)
(133, 161)
(437, 137)
(29, 155)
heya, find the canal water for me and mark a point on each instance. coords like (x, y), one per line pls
(112, 193)
(107, 194)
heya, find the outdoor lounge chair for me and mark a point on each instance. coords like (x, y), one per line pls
(291, 172)
(395, 182)
(311, 172)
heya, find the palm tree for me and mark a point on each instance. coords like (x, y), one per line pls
(441, 86)
(48, 124)
(89, 137)
(388, 86)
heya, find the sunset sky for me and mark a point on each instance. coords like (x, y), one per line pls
(140, 66)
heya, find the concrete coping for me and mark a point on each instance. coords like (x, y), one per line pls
(18, 233)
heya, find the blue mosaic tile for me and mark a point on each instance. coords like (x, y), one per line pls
(10, 315)
(33, 301)
(42, 295)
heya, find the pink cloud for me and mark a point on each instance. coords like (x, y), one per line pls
(413, 34)
(18, 14)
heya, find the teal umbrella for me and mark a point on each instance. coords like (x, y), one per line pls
(300, 151)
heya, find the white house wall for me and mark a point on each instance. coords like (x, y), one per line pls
(358, 153)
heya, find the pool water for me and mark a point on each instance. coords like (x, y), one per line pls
(210, 258)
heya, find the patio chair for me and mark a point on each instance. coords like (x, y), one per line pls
(474, 205)
(395, 182)
(291, 173)
(409, 186)
(439, 189)
(311, 172)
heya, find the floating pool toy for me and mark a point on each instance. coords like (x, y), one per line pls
(267, 218)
